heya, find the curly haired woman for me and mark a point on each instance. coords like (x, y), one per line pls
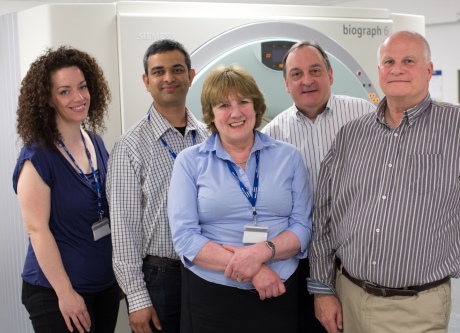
(68, 281)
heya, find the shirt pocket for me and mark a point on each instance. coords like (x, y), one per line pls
(425, 172)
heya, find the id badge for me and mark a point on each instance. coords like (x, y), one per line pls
(101, 228)
(255, 234)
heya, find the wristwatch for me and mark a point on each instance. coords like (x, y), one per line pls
(271, 246)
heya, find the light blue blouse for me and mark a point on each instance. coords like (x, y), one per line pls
(205, 201)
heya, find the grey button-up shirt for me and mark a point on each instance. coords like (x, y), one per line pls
(388, 200)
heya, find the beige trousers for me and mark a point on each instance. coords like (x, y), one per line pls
(428, 311)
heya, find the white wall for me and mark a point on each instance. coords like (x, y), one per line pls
(13, 240)
(445, 50)
(7, 7)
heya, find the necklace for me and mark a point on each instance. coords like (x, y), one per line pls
(241, 162)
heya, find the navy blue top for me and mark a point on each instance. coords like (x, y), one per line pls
(88, 263)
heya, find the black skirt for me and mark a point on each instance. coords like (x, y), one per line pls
(210, 308)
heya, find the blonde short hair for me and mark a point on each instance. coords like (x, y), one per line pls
(223, 80)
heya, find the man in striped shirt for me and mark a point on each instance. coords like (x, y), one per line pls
(311, 124)
(386, 234)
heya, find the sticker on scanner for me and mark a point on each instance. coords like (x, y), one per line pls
(255, 234)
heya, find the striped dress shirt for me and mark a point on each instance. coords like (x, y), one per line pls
(313, 139)
(138, 179)
(388, 200)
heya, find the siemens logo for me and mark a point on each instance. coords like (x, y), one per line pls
(155, 35)
(360, 32)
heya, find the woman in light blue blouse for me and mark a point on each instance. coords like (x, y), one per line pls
(239, 209)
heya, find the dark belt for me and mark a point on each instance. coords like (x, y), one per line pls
(381, 291)
(162, 261)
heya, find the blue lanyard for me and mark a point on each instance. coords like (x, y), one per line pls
(163, 141)
(252, 198)
(173, 154)
(96, 181)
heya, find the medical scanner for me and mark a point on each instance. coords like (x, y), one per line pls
(255, 36)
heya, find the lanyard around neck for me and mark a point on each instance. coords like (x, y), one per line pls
(251, 198)
(96, 181)
(163, 141)
(173, 154)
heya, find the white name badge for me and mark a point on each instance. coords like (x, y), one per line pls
(255, 234)
(101, 228)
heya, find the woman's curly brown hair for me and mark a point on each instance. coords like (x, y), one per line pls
(36, 118)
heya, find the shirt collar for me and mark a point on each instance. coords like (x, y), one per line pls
(328, 108)
(326, 113)
(160, 125)
(411, 114)
(213, 143)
